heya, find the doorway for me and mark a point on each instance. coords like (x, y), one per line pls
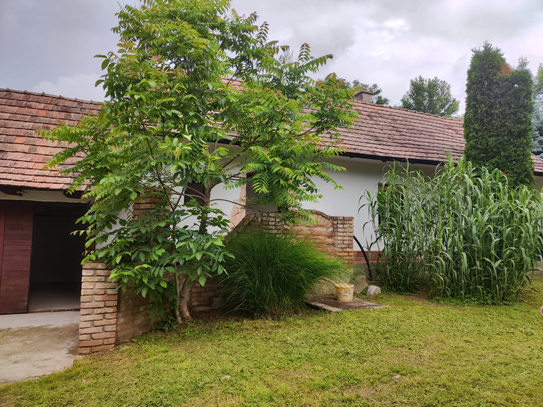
(55, 266)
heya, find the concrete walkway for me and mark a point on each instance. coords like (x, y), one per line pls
(32, 345)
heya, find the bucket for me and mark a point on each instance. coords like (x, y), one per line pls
(344, 292)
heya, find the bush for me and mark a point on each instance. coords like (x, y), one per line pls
(271, 273)
(466, 233)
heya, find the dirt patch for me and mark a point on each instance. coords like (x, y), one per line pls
(329, 303)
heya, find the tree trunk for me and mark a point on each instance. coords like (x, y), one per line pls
(206, 202)
(184, 298)
(178, 317)
(183, 283)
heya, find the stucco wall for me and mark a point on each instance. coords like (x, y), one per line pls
(40, 196)
(360, 176)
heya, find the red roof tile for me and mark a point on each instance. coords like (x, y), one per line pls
(388, 133)
(23, 153)
(380, 132)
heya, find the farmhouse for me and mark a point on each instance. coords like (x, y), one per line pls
(40, 260)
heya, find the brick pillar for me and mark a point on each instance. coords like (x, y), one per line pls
(98, 316)
(344, 228)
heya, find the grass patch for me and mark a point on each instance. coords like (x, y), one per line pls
(413, 353)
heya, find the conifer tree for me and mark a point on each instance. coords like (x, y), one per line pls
(498, 119)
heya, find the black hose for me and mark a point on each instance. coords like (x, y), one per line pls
(370, 273)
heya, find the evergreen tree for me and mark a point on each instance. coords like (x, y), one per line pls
(430, 96)
(498, 119)
(537, 114)
(537, 130)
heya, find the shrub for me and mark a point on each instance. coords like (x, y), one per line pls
(498, 120)
(466, 233)
(271, 273)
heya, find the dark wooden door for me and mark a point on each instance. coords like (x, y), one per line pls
(16, 219)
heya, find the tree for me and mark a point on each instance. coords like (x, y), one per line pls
(197, 99)
(430, 96)
(498, 119)
(538, 87)
(537, 114)
(377, 97)
(537, 130)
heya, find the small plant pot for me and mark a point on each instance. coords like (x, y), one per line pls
(344, 292)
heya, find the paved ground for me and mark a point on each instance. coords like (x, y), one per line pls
(32, 345)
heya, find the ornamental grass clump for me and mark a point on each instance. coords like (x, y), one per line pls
(271, 273)
(465, 234)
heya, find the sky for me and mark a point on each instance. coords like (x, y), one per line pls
(49, 46)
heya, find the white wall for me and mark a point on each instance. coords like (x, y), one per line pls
(41, 196)
(361, 175)
(538, 183)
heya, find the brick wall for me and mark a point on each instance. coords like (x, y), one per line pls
(205, 298)
(332, 234)
(109, 317)
(98, 315)
(134, 316)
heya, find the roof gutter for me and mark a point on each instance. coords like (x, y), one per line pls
(402, 160)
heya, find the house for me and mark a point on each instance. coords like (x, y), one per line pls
(380, 136)
(40, 259)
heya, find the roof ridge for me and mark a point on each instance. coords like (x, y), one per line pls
(398, 108)
(26, 92)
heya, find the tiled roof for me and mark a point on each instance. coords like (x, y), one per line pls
(23, 153)
(389, 133)
(380, 132)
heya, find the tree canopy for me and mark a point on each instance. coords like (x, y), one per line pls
(430, 96)
(537, 114)
(375, 89)
(537, 130)
(377, 97)
(198, 99)
(498, 119)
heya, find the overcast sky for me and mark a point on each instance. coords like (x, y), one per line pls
(48, 46)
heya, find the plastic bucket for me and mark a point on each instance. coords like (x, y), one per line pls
(344, 292)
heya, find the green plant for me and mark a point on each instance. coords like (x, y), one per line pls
(188, 76)
(466, 233)
(498, 119)
(271, 273)
(430, 96)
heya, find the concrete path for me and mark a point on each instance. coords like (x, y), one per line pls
(32, 345)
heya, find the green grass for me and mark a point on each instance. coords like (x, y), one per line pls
(412, 353)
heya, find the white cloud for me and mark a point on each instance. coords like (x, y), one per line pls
(387, 42)
(80, 86)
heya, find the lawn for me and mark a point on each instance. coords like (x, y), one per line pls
(411, 353)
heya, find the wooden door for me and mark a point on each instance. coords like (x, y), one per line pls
(16, 220)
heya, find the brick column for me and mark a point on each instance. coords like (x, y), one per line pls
(98, 316)
(344, 228)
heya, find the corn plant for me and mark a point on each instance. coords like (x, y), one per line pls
(465, 233)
